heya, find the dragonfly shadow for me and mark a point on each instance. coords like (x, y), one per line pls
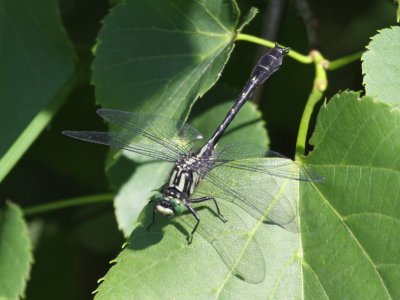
(142, 237)
(190, 221)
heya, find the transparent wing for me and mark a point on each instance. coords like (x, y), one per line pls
(263, 194)
(233, 155)
(125, 140)
(158, 137)
(237, 248)
(171, 134)
(236, 151)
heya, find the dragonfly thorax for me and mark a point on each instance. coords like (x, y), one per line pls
(184, 177)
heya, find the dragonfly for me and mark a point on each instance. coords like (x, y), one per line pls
(172, 140)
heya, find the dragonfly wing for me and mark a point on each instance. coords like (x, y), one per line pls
(235, 151)
(275, 164)
(264, 196)
(126, 140)
(175, 135)
(237, 248)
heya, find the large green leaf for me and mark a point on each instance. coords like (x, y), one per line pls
(381, 66)
(160, 264)
(159, 56)
(350, 223)
(36, 62)
(15, 253)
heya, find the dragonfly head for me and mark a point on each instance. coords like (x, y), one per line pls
(177, 206)
(167, 207)
(161, 205)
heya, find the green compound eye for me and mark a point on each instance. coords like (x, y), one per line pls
(157, 198)
(177, 206)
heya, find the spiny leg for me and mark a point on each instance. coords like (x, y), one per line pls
(206, 198)
(197, 217)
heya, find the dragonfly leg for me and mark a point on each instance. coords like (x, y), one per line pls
(206, 198)
(197, 217)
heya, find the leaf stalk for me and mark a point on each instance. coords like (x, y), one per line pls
(70, 202)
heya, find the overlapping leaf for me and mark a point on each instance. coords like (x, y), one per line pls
(381, 66)
(36, 61)
(159, 56)
(350, 222)
(15, 253)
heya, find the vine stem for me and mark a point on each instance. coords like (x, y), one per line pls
(39, 123)
(319, 87)
(305, 59)
(338, 63)
(76, 201)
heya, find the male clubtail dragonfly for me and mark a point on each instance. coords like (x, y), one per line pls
(171, 140)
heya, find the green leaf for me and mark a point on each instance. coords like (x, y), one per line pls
(247, 126)
(350, 223)
(248, 18)
(15, 253)
(36, 63)
(136, 191)
(398, 11)
(262, 254)
(381, 66)
(153, 263)
(159, 56)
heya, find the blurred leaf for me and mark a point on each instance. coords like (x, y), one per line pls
(381, 66)
(398, 11)
(159, 56)
(350, 222)
(58, 265)
(15, 253)
(36, 63)
(98, 231)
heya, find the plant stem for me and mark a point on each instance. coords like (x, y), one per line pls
(320, 85)
(305, 59)
(68, 203)
(39, 122)
(338, 63)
